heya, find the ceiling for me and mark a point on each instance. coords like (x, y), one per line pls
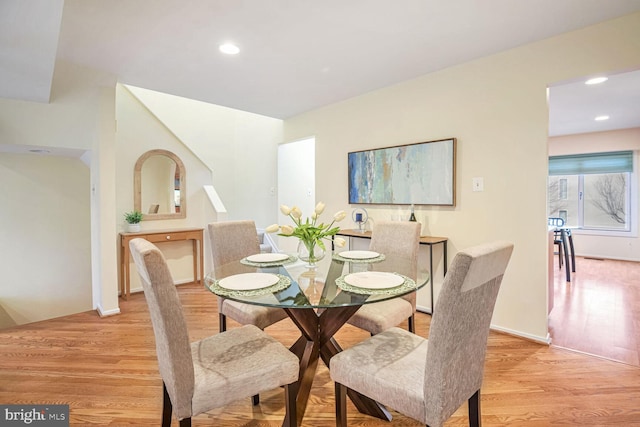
(574, 106)
(296, 55)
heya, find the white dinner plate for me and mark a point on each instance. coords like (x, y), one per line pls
(267, 257)
(359, 254)
(248, 281)
(374, 280)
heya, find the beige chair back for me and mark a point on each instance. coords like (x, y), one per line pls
(399, 240)
(169, 325)
(460, 328)
(232, 241)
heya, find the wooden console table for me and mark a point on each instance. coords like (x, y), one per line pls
(159, 236)
(424, 240)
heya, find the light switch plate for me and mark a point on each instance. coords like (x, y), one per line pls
(478, 184)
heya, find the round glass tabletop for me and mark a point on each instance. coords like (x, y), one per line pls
(335, 281)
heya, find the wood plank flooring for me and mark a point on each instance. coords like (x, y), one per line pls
(106, 370)
(598, 312)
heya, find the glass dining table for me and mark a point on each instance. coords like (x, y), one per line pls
(319, 299)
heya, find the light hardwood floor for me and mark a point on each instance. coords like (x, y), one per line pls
(106, 370)
(598, 312)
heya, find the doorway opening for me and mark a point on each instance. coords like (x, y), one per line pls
(296, 181)
(598, 310)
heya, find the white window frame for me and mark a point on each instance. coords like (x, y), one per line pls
(632, 208)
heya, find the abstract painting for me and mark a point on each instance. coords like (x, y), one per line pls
(420, 174)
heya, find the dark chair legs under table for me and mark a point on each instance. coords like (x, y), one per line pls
(563, 239)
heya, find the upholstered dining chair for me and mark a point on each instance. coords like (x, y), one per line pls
(217, 370)
(428, 380)
(232, 241)
(397, 239)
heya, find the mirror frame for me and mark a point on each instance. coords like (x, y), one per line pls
(137, 186)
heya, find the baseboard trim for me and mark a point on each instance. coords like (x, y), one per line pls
(423, 309)
(107, 313)
(606, 258)
(546, 340)
(535, 338)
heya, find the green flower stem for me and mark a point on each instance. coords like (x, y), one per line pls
(311, 246)
(310, 231)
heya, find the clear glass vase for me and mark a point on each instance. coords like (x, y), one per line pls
(310, 252)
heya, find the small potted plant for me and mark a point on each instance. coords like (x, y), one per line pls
(133, 218)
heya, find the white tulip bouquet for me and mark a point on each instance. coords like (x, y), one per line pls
(310, 232)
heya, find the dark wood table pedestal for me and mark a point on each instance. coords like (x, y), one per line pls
(316, 342)
(318, 313)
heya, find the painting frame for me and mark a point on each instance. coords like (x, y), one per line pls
(422, 173)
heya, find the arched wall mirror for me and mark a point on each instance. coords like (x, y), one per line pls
(159, 186)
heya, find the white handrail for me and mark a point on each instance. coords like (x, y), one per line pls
(216, 202)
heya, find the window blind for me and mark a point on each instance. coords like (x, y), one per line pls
(581, 164)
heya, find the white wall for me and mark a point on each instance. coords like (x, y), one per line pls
(103, 213)
(496, 107)
(238, 147)
(588, 244)
(296, 185)
(233, 150)
(138, 132)
(45, 249)
(79, 117)
(69, 120)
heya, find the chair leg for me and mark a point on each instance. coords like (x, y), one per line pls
(167, 407)
(291, 409)
(560, 257)
(222, 320)
(573, 254)
(412, 324)
(475, 420)
(255, 399)
(341, 405)
(186, 422)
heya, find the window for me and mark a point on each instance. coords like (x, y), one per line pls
(593, 191)
(606, 201)
(562, 190)
(562, 213)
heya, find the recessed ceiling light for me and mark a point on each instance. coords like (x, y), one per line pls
(596, 80)
(601, 118)
(229, 48)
